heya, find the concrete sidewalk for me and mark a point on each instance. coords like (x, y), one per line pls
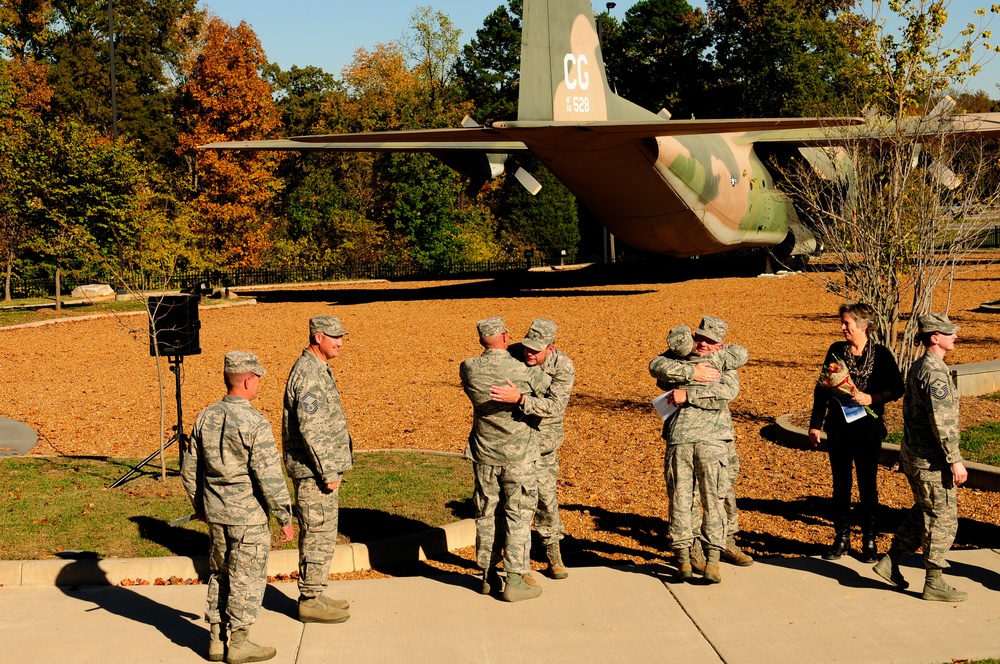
(778, 610)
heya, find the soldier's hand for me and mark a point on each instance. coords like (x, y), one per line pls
(287, 533)
(814, 435)
(706, 373)
(505, 393)
(960, 473)
(333, 486)
(679, 397)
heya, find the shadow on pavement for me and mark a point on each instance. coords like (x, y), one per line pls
(180, 627)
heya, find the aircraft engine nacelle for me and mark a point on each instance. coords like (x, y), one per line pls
(479, 167)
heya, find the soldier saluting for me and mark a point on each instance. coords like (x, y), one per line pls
(932, 462)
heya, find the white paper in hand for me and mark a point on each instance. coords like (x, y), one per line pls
(664, 406)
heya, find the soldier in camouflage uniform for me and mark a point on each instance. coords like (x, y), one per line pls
(503, 452)
(318, 451)
(232, 473)
(538, 349)
(698, 439)
(680, 345)
(932, 462)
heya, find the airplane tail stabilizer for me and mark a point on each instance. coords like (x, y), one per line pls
(563, 77)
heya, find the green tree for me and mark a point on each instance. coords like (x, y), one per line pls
(778, 58)
(656, 57)
(547, 222)
(902, 208)
(151, 39)
(489, 66)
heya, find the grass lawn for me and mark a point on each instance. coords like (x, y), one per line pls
(980, 443)
(20, 316)
(50, 505)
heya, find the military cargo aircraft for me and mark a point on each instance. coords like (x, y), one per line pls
(676, 187)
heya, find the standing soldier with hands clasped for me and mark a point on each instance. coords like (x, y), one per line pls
(318, 451)
(232, 473)
(932, 462)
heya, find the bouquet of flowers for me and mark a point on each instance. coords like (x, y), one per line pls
(836, 377)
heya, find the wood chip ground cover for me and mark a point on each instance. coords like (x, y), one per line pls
(90, 389)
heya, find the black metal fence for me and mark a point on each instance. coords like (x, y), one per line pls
(32, 288)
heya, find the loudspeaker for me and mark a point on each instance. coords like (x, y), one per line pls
(174, 319)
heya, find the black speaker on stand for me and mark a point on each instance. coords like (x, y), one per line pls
(174, 331)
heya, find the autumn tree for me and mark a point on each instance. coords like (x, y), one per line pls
(24, 98)
(895, 207)
(225, 99)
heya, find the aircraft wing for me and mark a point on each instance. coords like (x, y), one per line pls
(982, 125)
(514, 136)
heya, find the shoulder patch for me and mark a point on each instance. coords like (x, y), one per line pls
(310, 403)
(940, 389)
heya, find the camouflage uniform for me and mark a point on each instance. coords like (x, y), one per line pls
(547, 415)
(232, 473)
(930, 446)
(503, 451)
(318, 450)
(701, 445)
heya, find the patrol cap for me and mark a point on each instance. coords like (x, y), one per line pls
(490, 327)
(712, 328)
(928, 323)
(680, 341)
(328, 325)
(541, 334)
(242, 362)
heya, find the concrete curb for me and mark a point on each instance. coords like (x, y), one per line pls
(121, 314)
(349, 558)
(981, 476)
(305, 285)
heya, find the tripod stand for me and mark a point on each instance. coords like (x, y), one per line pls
(179, 436)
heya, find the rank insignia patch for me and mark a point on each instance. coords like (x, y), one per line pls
(939, 389)
(310, 403)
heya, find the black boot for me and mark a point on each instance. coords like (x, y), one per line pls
(869, 552)
(841, 544)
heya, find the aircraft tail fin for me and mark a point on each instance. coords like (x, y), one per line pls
(563, 77)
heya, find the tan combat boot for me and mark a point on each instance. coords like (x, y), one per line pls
(888, 568)
(697, 557)
(216, 646)
(517, 590)
(732, 554)
(684, 572)
(341, 604)
(492, 583)
(936, 589)
(314, 610)
(556, 568)
(529, 579)
(242, 649)
(712, 574)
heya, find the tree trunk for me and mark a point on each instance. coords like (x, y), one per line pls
(58, 289)
(10, 267)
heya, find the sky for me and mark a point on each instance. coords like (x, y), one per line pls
(325, 33)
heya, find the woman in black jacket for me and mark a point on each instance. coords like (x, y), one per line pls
(851, 441)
